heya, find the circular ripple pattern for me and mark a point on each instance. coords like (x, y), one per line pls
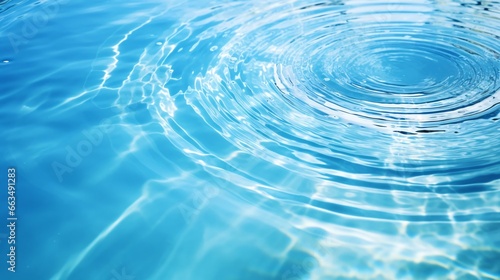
(378, 95)
(380, 111)
(372, 95)
(354, 87)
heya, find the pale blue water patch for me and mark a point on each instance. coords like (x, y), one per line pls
(252, 139)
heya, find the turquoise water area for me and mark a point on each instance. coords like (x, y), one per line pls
(246, 140)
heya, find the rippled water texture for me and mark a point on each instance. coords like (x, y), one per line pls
(256, 139)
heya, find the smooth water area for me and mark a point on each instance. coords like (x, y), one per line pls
(249, 140)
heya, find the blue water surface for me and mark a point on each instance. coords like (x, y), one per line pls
(246, 140)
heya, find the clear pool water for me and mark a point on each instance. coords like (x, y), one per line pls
(249, 140)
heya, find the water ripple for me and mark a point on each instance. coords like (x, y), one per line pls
(400, 96)
(380, 111)
(319, 81)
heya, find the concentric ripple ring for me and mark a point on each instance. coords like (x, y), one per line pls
(380, 111)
